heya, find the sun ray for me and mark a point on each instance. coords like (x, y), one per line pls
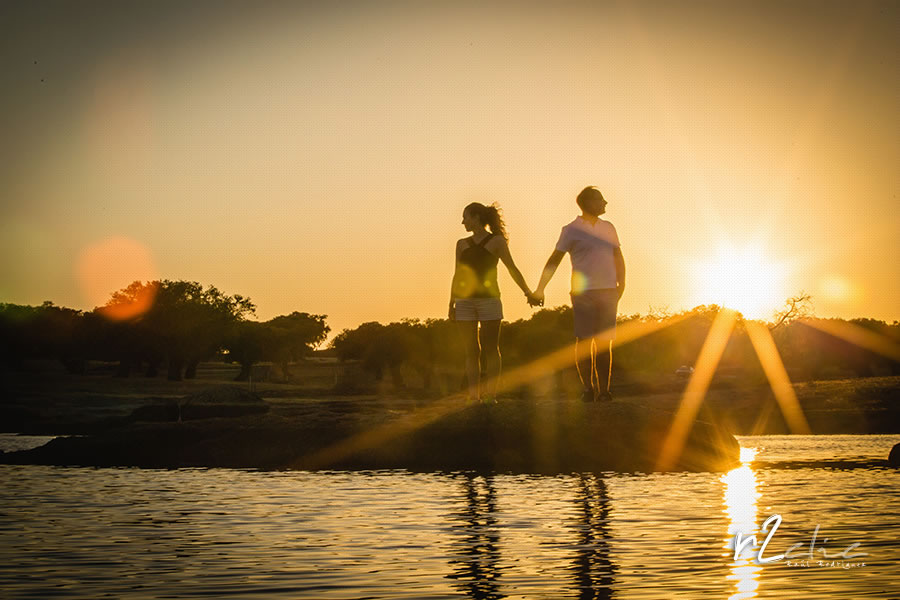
(762, 341)
(538, 368)
(710, 354)
(562, 358)
(707, 362)
(381, 434)
(761, 422)
(862, 337)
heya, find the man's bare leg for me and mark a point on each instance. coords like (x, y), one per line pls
(586, 366)
(604, 369)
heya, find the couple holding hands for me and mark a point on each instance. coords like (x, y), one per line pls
(598, 280)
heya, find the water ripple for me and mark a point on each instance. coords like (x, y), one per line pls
(82, 532)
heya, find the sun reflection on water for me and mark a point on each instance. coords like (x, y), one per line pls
(747, 455)
(740, 496)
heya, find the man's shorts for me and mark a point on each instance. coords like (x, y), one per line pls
(595, 313)
(479, 309)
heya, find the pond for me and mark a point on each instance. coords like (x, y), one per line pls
(89, 532)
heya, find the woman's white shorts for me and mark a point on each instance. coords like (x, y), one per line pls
(479, 309)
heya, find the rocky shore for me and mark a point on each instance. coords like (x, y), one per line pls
(521, 436)
(212, 423)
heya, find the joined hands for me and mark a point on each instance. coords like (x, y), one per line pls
(535, 299)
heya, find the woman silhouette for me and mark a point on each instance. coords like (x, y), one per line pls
(475, 295)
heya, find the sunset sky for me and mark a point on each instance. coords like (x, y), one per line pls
(317, 157)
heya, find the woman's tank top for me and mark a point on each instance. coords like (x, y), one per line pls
(478, 271)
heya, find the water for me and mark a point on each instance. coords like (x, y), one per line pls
(88, 533)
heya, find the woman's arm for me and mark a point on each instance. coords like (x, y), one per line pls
(502, 252)
(549, 269)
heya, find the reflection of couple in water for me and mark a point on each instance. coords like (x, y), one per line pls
(598, 280)
(479, 567)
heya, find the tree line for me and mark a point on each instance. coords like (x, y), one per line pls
(172, 326)
(431, 349)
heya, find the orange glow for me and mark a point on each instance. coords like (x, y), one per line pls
(281, 153)
(110, 265)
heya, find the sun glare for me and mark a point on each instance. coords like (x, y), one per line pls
(743, 279)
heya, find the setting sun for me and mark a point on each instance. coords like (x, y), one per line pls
(744, 279)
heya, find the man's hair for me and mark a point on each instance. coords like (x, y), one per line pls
(588, 192)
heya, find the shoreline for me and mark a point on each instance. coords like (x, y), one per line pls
(511, 436)
(134, 423)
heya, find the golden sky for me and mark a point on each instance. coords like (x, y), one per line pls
(318, 158)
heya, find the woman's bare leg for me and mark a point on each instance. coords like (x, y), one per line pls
(469, 332)
(490, 346)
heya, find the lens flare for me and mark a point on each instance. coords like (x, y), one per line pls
(465, 282)
(837, 289)
(579, 282)
(112, 264)
(131, 302)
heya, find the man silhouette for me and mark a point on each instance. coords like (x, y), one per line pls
(598, 281)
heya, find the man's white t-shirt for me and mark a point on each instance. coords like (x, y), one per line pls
(591, 249)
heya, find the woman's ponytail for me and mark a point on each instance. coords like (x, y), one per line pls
(495, 221)
(490, 216)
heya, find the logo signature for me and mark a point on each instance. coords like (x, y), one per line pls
(796, 557)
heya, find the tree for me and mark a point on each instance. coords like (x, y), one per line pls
(796, 307)
(247, 345)
(378, 347)
(293, 337)
(46, 331)
(185, 322)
